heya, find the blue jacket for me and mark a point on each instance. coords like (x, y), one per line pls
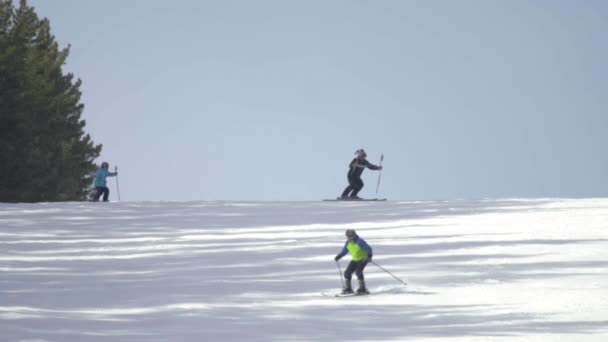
(100, 176)
(360, 243)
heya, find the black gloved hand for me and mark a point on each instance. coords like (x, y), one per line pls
(337, 258)
(369, 258)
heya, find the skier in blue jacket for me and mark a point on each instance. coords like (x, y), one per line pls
(361, 254)
(100, 182)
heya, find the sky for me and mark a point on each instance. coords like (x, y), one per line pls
(268, 100)
(265, 271)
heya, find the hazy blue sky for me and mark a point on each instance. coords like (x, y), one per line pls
(268, 100)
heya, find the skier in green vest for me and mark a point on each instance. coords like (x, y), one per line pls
(361, 254)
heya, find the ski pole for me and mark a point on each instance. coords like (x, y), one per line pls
(394, 276)
(340, 273)
(379, 173)
(117, 188)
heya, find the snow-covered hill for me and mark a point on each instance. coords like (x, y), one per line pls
(504, 270)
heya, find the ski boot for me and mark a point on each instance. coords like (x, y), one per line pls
(355, 198)
(362, 289)
(348, 289)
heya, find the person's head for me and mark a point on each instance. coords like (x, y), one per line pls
(105, 165)
(361, 154)
(350, 234)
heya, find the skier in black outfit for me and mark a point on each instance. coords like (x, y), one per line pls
(356, 167)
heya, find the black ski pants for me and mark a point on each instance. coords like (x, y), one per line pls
(355, 184)
(355, 267)
(101, 190)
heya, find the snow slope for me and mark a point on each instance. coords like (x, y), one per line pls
(488, 270)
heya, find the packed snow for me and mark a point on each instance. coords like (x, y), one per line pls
(485, 270)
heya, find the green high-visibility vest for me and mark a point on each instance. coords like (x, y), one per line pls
(357, 252)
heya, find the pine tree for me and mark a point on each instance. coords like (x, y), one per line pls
(45, 154)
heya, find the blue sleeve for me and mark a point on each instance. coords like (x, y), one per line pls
(364, 246)
(344, 251)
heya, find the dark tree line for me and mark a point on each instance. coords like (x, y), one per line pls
(45, 155)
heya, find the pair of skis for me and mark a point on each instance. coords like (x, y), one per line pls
(353, 200)
(395, 290)
(341, 295)
(340, 199)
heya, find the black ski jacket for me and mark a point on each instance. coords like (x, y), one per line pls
(358, 165)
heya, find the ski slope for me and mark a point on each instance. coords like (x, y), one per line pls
(487, 270)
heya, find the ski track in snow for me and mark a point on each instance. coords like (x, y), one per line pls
(485, 270)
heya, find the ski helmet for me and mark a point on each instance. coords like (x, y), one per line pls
(361, 153)
(105, 165)
(350, 233)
